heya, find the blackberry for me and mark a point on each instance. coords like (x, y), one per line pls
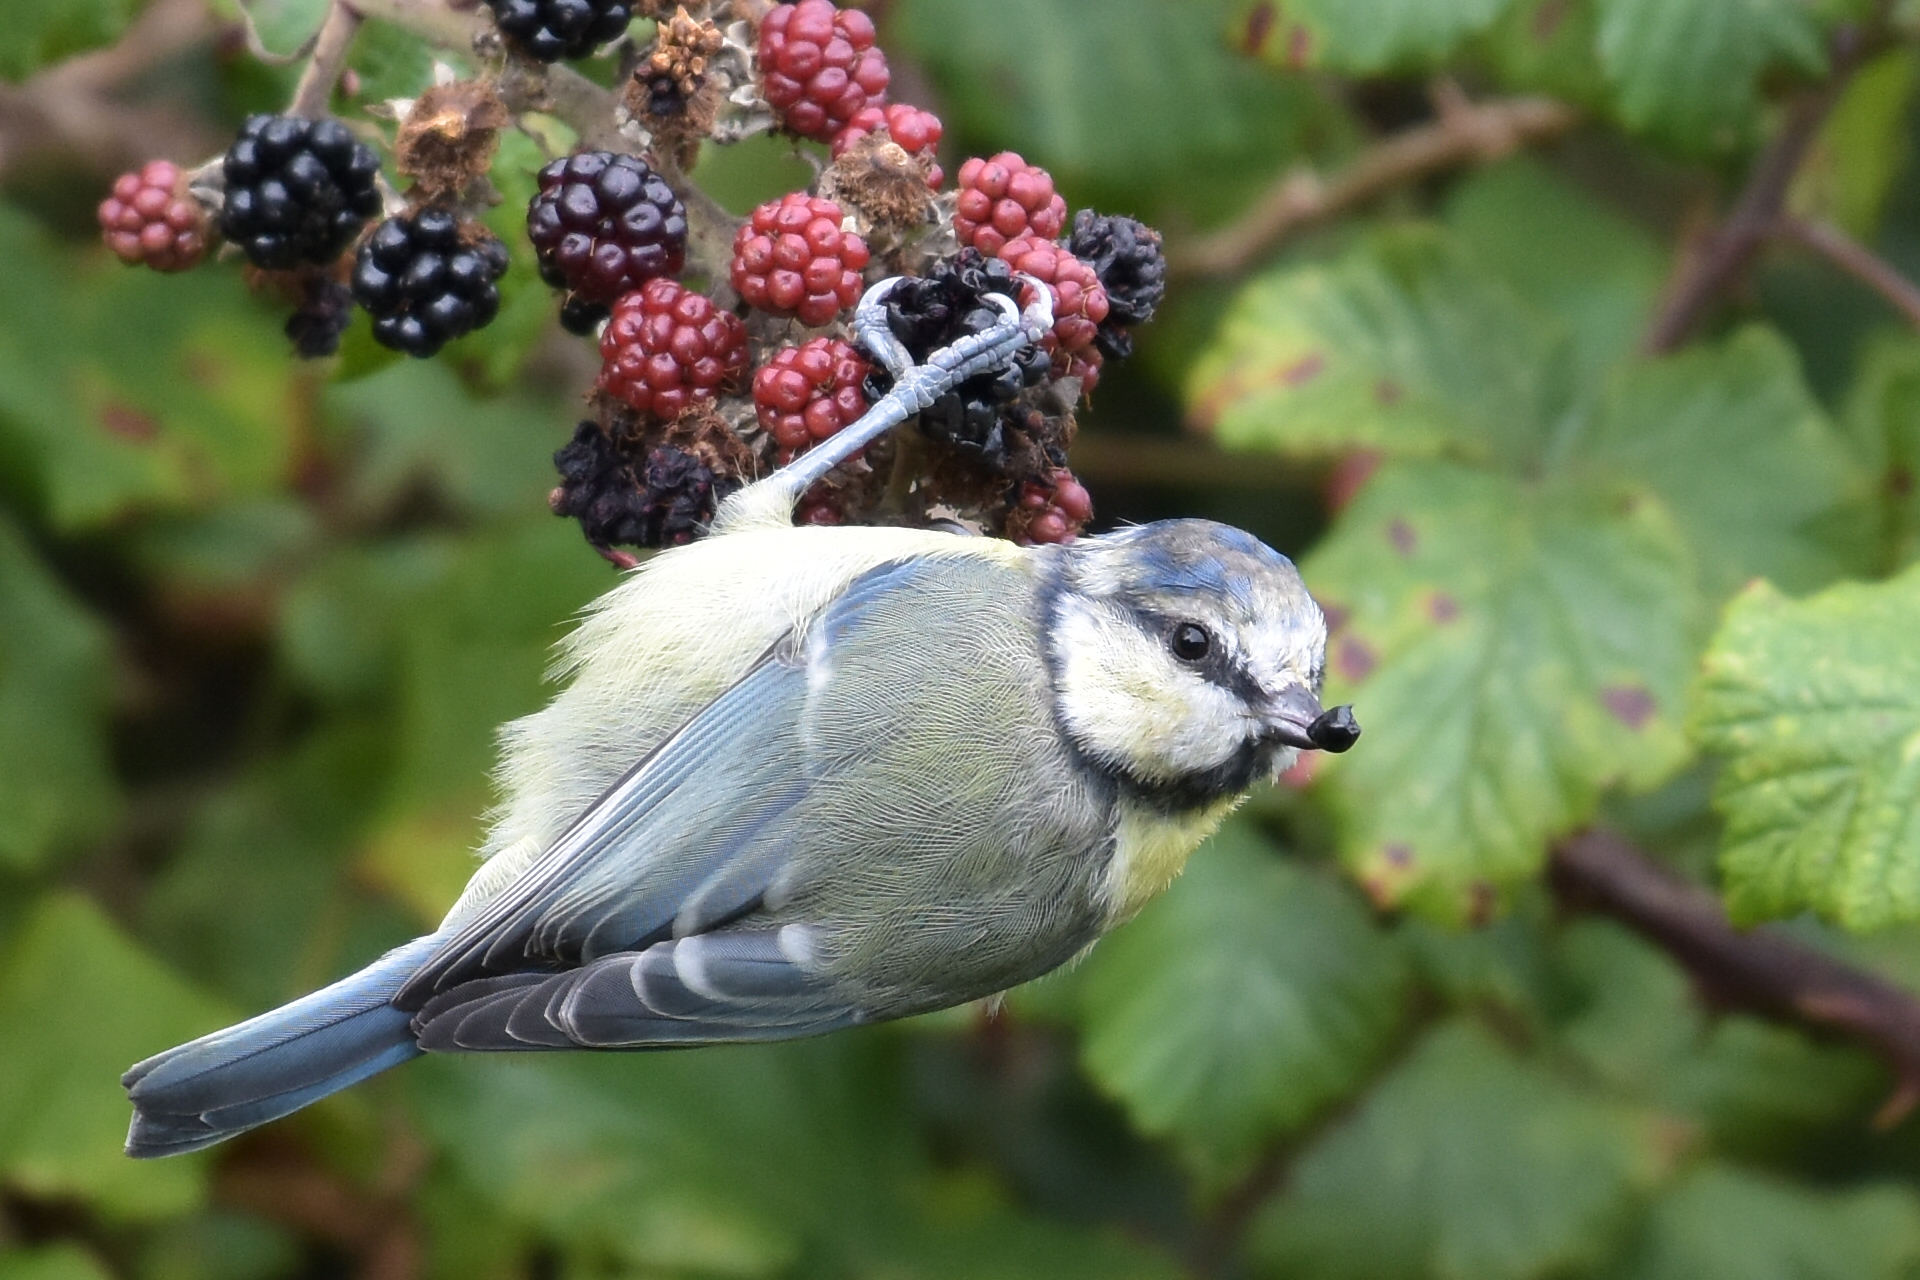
(917, 132)
(948, 303)
(819, 67)
(1003, 198)
(297, 190)
(1079, 303)
(577, 315)
(314, 328)
(1051, 510)
(149, 218)
(806, 394)
(792, 259)
(1127, 257)
(604, 224)
(662, 500)
(422, 285)
(549, 30)
(667, 346)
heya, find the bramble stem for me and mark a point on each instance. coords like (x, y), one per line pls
(322, 72)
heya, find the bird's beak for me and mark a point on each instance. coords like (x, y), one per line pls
(1294, 716)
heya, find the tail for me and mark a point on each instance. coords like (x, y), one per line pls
(208, 1090)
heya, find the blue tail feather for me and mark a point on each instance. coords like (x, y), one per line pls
(221, 1084)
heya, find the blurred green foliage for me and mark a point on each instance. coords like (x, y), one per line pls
(259, 620)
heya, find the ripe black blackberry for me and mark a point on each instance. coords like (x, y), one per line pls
(603, 224)
(947, 304)
(422, 285)
(549, 30)
(297, 190)
(662, 500)
(1127, 257)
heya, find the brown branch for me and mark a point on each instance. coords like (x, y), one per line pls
(1463, 133)
(1703, 271)
(1858, 261)
(322, 72)
(1761, 970)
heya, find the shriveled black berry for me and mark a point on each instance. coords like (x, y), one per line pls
(603, 224)
(316, 325)
(1127, 257)
(298, 190)
(949, 303)
(549, 30)
(663, 499)
(423, 284)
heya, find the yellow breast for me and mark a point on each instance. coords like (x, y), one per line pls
(1151, 849)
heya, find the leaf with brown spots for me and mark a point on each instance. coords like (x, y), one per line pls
(1815, 704)
(1493, 631)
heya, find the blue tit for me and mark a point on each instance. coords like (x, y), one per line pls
(806, 778)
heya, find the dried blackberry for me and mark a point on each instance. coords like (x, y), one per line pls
(947, 304)
(662, 500)
(1127, 256)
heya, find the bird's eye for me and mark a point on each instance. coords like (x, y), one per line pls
(1190, 642)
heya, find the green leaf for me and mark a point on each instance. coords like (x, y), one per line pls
(123, 390)
(1732, 443)
(1547, 46)
(1125, 111)
(1862, 148)
(1465, 1164)
(1240, 1004)
(1720, 1223)
(1512, 649)
(1816, 706)
(1686, 70)
(44, 31)
(1883, 418)
(54, 1262)
(55, 670)
(79, 1004)
(1406, 346)
(1363, 35)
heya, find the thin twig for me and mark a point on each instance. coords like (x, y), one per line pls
(1705, 270)
(322, 72)
(1858, 261)
(1463, 133)
(1761, 970)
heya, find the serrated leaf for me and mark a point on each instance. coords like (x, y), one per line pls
(1512, 649)
(1744, 460)
(1239, 1004)
(1465, 1164)
(1405, 347)
(1363, 36)
(79, 1004)
(1720, 1223)
(55, 670)
(1687, 70)
(1815, 705)
(44, 31)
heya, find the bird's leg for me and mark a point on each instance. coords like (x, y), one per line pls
(915, 387)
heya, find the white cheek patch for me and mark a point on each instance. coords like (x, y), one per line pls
(1126, 700)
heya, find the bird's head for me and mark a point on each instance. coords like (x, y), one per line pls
(1187, 659)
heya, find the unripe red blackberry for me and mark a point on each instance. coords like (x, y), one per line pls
(792, 259)
(818, 66)
(422, 286)
(1002, 198)
(1079, 303)
(549, 30)
(603, 224)
(297, 190)
(916, 131)
(806, 394)
(149, 218)
(667, 346)
(1054, 510)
